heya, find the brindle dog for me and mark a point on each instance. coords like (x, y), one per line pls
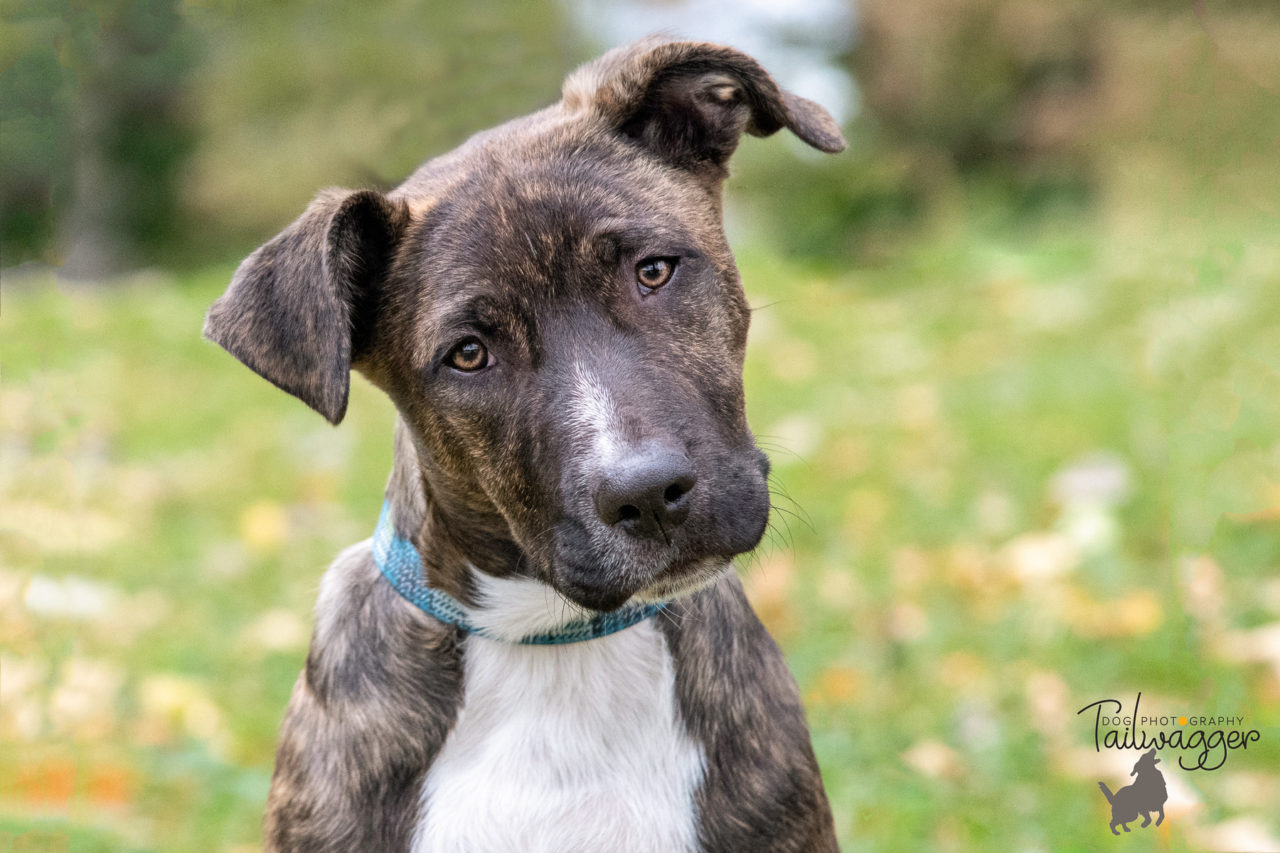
(557, 317)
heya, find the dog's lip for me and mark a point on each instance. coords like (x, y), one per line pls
(675, 580)
(693, 575)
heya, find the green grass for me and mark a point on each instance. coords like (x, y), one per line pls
(945, 606)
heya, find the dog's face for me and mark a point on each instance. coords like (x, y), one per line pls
(578, 336)
(556, 314)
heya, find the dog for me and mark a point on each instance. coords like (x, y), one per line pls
(544, 646)
(1147, 794)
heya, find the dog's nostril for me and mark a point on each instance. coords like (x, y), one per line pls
(645, 496)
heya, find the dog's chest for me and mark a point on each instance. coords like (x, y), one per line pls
(565, 748)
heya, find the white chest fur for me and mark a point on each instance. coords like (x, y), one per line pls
(575, 748)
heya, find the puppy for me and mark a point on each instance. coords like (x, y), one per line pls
(543, 647)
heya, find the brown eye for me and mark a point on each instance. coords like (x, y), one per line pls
(468, 356)
(652, 273)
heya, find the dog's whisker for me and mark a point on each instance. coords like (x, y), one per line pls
(765, 306)
(780, 536)
(774, 445)
(786, 515)
(667, 616)
(795, 510)
(752, 561)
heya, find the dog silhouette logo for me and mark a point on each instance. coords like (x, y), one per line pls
(1146, 795)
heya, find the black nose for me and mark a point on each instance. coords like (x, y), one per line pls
(647, 494)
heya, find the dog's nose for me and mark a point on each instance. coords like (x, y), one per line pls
(647, 494)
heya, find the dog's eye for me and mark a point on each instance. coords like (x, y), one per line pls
(652, 273)
(468, 356)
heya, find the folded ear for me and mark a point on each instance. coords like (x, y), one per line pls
(300, 308)
(690, 102)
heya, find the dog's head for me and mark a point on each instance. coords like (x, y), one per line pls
(1146, 762)
(556, 314)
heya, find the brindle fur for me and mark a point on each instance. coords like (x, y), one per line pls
(527, 233)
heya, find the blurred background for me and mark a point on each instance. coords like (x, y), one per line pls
(1016, 359)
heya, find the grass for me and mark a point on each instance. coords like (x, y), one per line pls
(1017, 471)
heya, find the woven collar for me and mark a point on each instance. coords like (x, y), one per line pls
(400, 564)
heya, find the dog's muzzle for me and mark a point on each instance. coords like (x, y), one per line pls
(652, 524)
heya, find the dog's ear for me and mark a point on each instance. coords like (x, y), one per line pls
(691, 102)
(300, 308)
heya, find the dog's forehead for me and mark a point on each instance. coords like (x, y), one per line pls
(558, 195)
(519, 214)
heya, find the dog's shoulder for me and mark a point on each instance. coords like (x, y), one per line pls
(380, 691)
(369, 640)
(720, 643)
(739, 699)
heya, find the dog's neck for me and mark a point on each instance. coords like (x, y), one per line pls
(417, 518)
(405, 491)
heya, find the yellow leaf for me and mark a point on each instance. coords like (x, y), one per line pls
(264, 526)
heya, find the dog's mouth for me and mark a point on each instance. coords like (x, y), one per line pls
(605, 591)
(698, 575)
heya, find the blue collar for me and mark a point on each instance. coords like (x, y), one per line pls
(400, 564)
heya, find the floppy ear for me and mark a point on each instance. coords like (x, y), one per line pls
(691, 102)
(300, 308)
